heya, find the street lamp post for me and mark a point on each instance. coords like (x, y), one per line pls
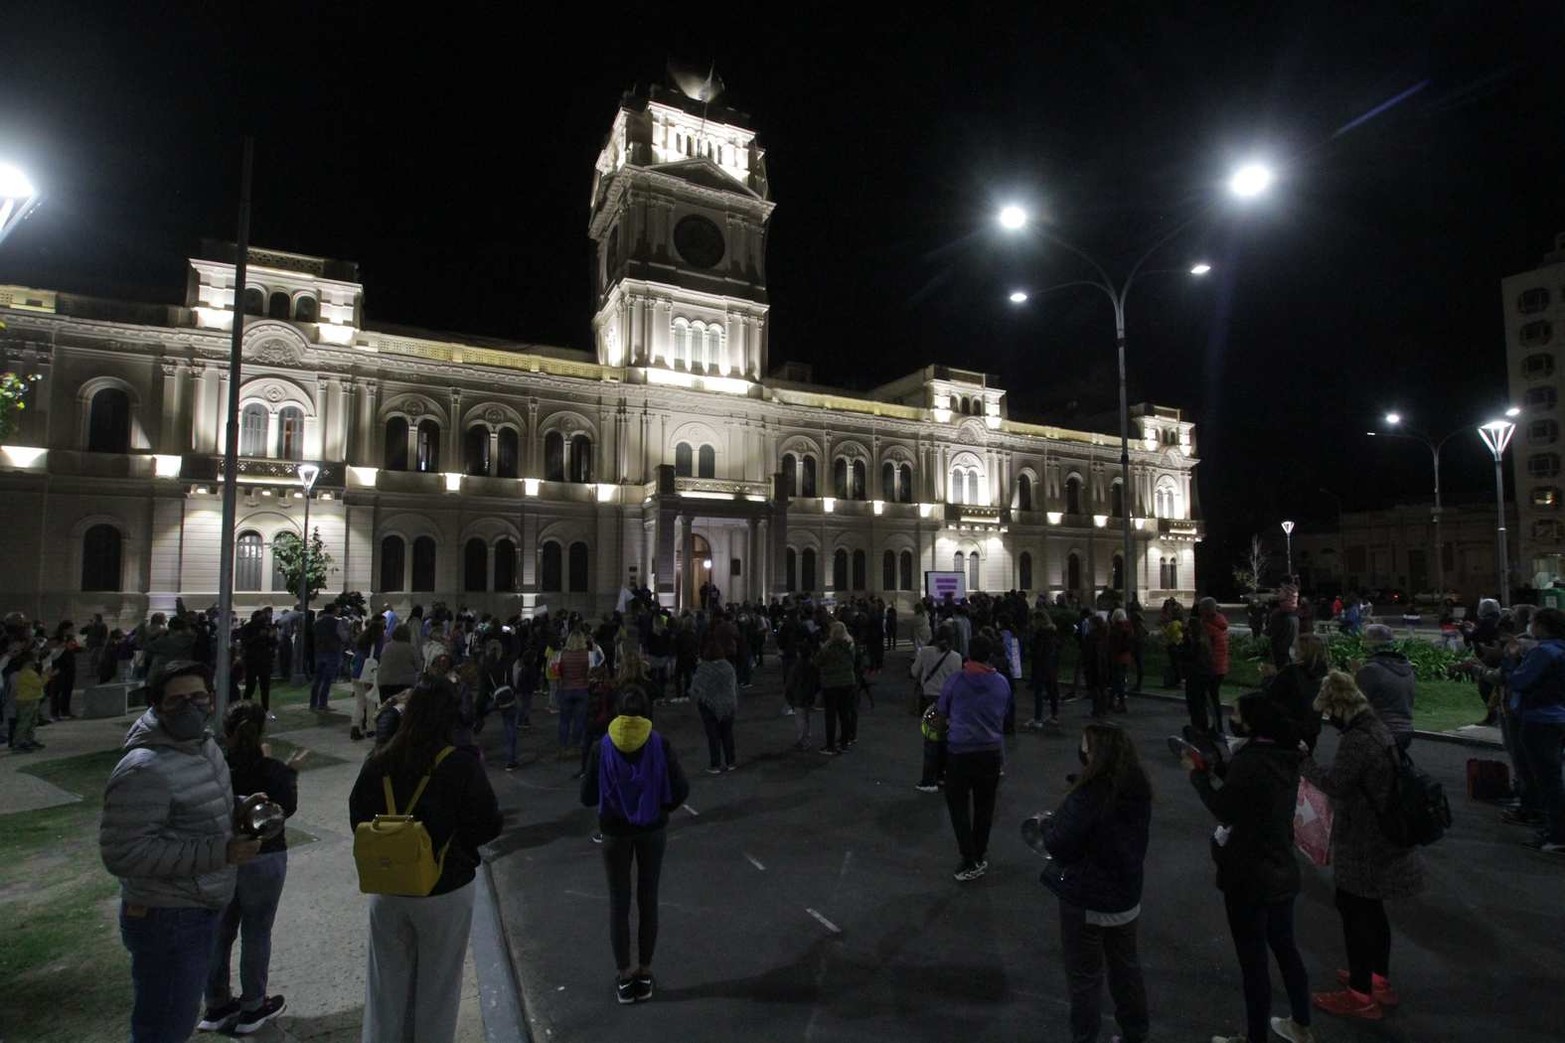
(308, 473)
(1496, 434)
(1287, 531)
(1395, 420)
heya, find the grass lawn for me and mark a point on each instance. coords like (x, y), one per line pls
(66, 975)
(1441, 705)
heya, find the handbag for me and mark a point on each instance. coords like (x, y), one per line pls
(1312, 820)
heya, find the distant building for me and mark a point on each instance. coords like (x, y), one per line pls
(510, 476)
(1395, 548)
(1533, 304)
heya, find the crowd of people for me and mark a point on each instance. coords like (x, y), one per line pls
(196, 876)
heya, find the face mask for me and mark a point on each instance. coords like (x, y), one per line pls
(1081, 755)
(184, 723)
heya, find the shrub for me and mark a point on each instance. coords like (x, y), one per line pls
(1430, 661)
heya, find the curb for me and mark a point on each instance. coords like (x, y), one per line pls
(499, 993)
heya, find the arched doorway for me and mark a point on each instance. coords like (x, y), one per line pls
(692, 579)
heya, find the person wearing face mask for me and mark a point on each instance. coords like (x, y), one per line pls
(167, 833)
(1367, 866)
(1097, 845)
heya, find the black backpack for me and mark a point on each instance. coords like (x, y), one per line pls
(1418, 812)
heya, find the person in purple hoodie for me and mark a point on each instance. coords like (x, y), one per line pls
(973, 704)
(634, 780)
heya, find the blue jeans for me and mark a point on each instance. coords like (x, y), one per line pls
(250, 917)
(573, 716)
(1257, 927)
(169, 952)
(508, 722)
(326, 667)
(1540, 747)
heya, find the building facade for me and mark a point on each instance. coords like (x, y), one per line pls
(1394, 548)
(1533, 303)
(511, 477)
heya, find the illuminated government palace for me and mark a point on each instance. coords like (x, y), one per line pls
(506, 476)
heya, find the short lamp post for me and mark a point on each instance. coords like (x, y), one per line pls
(1496, 434)
(308, 473)
(1287, 531)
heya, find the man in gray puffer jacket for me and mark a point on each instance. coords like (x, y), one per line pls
(168, 833)
(1386, 678)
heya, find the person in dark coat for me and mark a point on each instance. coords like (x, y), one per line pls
(1386, 678)
(1295, 687)
(1253, 801)
(1368, 866)
(1097, 843)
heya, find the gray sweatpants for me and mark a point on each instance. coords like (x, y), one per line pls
(416, 951)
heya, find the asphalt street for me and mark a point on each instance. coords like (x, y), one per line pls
(810, 898)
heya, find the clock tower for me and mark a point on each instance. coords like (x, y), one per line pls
(680, 204)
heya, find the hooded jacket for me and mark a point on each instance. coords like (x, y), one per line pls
(623, 754)
(168, 814)
(1256, 801)
(716, 687)
(1099, 842)
(1387, 681)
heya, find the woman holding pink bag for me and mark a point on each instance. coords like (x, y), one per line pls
(1253, 801)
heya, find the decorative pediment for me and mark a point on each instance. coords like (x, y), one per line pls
(273, 344)
(703, 172)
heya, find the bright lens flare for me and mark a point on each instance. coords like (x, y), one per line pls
(1018, 297)
(1250, 180)
(1200, 269)
(1013, 217)
(14, 183)
(1393, 418)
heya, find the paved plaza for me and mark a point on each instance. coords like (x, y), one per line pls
(810, 897)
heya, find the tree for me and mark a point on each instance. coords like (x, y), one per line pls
(286, 551)
(1248, 574)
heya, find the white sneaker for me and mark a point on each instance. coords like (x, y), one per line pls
(787, 711)
(1292, 1031)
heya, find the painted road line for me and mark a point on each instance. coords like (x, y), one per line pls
(692, 810)
(755, 862)
(833, 928)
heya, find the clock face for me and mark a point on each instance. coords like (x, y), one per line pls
(699, 241)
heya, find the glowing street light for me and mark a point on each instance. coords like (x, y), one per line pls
(1514, 411)
(1012, 218)
(1393, 419)
(1200, 269)
(308, 473)
(1287, 530)
(1250, 180)
(17, 198)
(1496, 434)
(1018, 297)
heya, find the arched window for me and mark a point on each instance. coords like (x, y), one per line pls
(1073, 497)
(248, 551)
(510, 453)
(958, 490)
(1073, 573)
(888, 481)
(839, 478)
(554, 457)
(504, 566)
(959, 562)
(290, 433)
(888, 571)
(428, 449)
(252, 430)
(860, 570)
(807, 569)
(680, 358)
(579, 459)
(279, 577)
(839, 570)
(790, 478)
(860, 472)
(1024, 568)
(108, 422)
(551, 572)
(393, 558)
(475, 450)
(972, 488)
(396, 449)
(905, 570)
(1023, 493)
(279, 306)
(101, 554)
(304, 309)
(255, 301)
(683, 460)
(790, 570)
(972, 572)
(578, 568)
(706, 462)
(1117, 499)
(807, 483)
(905, 485)
(1117, 580)
(424, 563)
(1163, 500)
(475, 565)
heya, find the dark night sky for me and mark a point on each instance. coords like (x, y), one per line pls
(452, 159)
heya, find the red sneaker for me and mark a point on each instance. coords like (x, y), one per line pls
(1348, 1003)
(1384, 994)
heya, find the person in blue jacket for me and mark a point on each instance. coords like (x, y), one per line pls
(973, 706)
(1097, 843)
(1537, 703)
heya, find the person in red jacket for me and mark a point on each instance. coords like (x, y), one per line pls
(1208, 667)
